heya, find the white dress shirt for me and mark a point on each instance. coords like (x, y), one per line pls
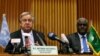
(30, 35)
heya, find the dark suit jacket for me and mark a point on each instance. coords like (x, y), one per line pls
(74, 43)
(18, 34)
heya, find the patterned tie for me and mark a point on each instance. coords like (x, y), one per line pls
(85, 48)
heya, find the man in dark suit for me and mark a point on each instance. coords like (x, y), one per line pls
(35, 38)
(78, 41)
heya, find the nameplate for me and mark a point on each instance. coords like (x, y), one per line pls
(44, 50)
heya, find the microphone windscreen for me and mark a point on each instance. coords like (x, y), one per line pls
(52, 36)
(15, 40)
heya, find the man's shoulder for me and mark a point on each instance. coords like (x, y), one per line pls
(73, 34)
(15, 33)
(36, 31)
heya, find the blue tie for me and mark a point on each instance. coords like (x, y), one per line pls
(85, 48)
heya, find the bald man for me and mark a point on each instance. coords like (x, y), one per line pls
(78, 40)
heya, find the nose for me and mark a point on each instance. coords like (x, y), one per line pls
(82, 25)
(27, 21)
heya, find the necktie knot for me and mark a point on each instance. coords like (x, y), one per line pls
(83, 36)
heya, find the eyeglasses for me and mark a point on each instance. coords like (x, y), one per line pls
(25, 20)
(82, 24)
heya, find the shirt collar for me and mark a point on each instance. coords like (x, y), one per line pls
(27, 33)
(81, 35)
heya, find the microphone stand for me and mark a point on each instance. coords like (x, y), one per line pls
(14, 49)
(60, 49)
(61, 43)
(26, 52)
(64, 45)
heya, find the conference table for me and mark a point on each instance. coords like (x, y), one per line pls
(5, 54)
(2, 53)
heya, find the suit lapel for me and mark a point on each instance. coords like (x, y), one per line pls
(78, 41)
(19, 35)
(36, 38)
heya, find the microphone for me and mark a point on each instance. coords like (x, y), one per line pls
(52, 36)
(64, 38)
(15, 42)
(27, 47)
(41, 39)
